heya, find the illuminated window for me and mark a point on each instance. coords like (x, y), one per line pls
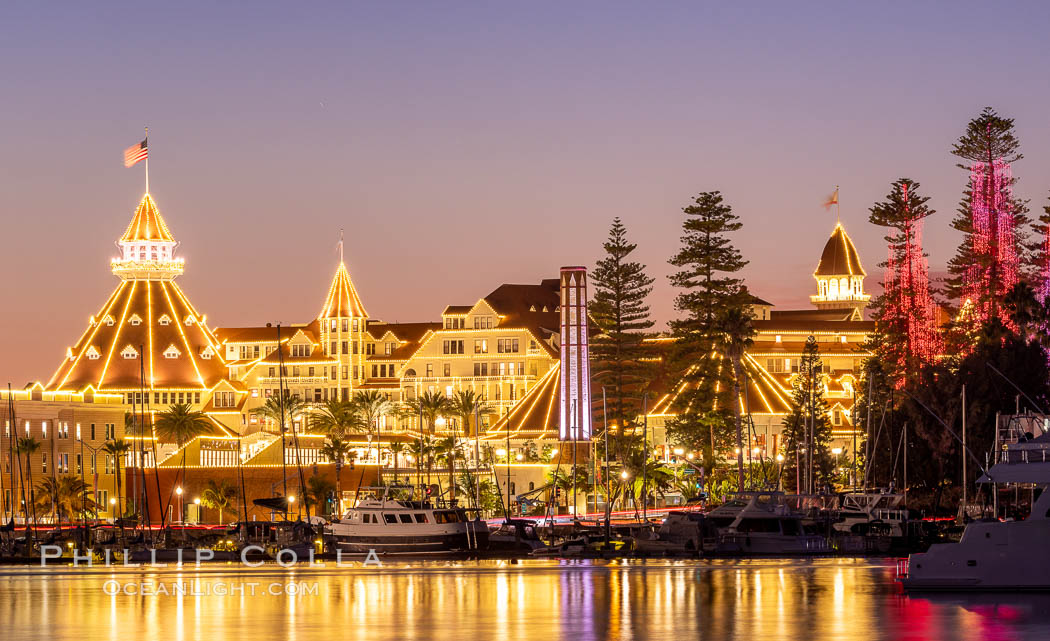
(135, 320)
(448, 369)
(92, 353)
(189, 320)
(164, 320)
(108, 320)
(129, 352)
(172, 352)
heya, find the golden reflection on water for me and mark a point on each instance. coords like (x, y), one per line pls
(810, 600)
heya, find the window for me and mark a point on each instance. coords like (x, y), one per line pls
(405, 518)
(481, 346)
(92, 353)
(92, 431)
(301, 350)
(164, 320)
(420, 518)
(346, 347)
(481, 369)
(375, 370)
(102, 498)
(135, 320)
(332, 348)
(189, 320)
(390, 518)
(452, 347)
(43, 462)
(448, 369)
(129, 353)
(224, 399)
(346, 372)
(172, 352)
(80, 464)
(346, 324)
(430, 369)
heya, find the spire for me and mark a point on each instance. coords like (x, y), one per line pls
(147, 246)
(147, 224)
(342, 300)
(839, 257)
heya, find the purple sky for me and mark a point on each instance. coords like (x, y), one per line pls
(463, 146)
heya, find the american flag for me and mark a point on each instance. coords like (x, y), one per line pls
(135, 153)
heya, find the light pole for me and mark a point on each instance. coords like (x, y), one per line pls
(780, 470)
(178, 493)
(94, 473)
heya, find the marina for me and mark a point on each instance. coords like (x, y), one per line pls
(822, 599)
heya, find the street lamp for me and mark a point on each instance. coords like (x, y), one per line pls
(780, 470)
(178, 493)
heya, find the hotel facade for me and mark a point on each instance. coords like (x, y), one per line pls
(147, 347)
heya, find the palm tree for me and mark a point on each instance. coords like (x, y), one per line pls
(335, 449)
(28, 445)
(434, 406)
(274, 409)
(421, 450)
(218, 496)
(318, 489)
(117, 448)
(396, 448)
(371, 406)
(181, 423)
(336, 418)
(466, 404)
(448, 449)
(566, 480)
(64, 496)
(736, 332)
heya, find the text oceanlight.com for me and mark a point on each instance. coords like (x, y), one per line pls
(217, 588)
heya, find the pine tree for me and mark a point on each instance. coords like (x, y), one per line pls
(621, 315)
(985, 264)
(807, 424)
(709, 289)
(904, 313)
(1041, 255)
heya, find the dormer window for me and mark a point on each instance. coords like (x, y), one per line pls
(532, 308)
(164, 320)
(129, 353)
(207, 352)
(301, 350)
(109, 321)
(135, 320)
(189, 320)
(172, 352)
(92, 353)
(544, 308)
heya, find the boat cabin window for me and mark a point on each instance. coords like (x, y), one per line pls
(791, 527)
(758, 525)
(446, 517)
(421, 518)
(390, 518)
(405, 518)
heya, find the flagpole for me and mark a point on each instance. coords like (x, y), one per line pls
(838, 210)
(147, 160)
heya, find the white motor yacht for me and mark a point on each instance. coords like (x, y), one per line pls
(762, 523)
(995, 555)
(390, 520)
(872, 508)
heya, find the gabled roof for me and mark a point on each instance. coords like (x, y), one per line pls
(840, 257)
(342, 300)
(147, 224)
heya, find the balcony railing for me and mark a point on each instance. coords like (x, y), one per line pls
(292, 380)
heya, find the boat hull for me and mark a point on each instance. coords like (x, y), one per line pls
(412, 544)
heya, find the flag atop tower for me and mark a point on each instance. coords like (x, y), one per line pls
(135, 153)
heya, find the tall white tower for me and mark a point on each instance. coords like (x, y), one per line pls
(575, 354)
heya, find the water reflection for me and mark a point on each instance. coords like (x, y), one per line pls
(542, 600)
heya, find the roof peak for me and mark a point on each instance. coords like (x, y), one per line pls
(342, 300)
(840, 256)
(147, 224)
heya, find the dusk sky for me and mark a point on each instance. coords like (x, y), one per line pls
(463, 146)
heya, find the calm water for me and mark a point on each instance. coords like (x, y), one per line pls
(537, 600)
